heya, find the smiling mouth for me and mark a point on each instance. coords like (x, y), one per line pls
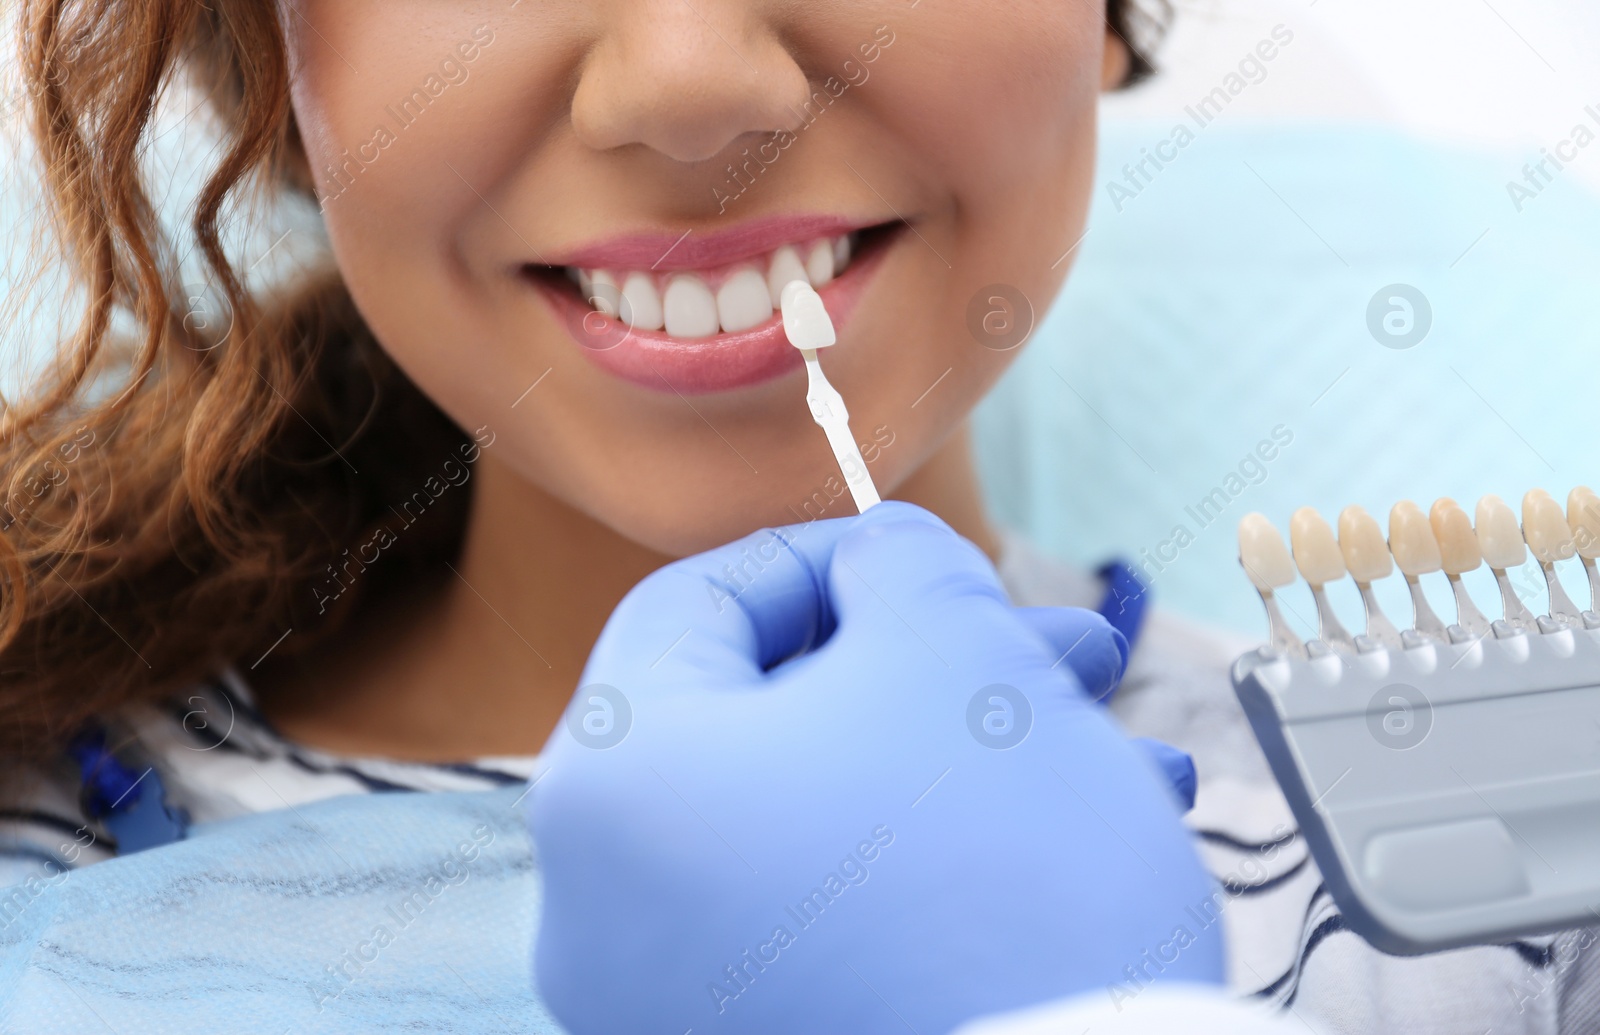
(701, 305)
(707, 322)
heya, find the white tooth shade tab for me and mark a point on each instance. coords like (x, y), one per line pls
(1361, 542)
(805, 319)
(1266, 560)
(641, 302)
(1416, 551)
(1459, 552)
(819, 263)
(1316, 552)
(688, 309)
(1545, 528)
(786, 266)
(1583, 517)
(604, 294)
(743, 301)
(1498, 535)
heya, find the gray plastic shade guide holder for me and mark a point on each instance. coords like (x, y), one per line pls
(1449, 792)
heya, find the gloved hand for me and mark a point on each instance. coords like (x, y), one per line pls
(923, 820)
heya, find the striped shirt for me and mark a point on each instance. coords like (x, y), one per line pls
(1288, 946)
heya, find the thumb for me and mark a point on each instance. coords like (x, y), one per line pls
(729, 613)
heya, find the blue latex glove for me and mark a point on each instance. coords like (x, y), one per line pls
(923, 820)
(1098, 655)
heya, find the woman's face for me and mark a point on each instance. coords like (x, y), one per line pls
(472, 158)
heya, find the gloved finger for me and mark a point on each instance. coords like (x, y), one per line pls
(1177, 766)
(1083, 641)
(730, 612)
(735, 611)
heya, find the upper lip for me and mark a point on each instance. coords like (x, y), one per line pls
(703, 249)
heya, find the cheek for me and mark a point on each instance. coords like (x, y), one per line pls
(403, 109)
(389, 99)
(995, 110)
(1001, 102)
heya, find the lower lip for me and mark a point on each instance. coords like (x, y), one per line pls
(701, 365)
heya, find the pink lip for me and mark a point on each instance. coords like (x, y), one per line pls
(697, 366)
(701, 250)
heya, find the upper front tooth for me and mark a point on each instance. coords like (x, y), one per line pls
(786, 266)
(604, 294)
(1545, 528)
(819, 263)
(743, 300)
(1498, 534)
(687, 308)
(641, 303)
(841, 253)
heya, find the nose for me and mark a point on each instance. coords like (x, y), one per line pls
(686, 81)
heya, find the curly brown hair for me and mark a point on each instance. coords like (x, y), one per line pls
(171, 497)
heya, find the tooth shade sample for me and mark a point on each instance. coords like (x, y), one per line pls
(786, 266)
(604, 294)
(1459, 552)
(1498, 535)
(641, 303)
(1261, 550)
(1316, 552)
(688, 309)
(805, 319)
(1545, 528)
(743, 301)
(1361, 542)
(1583, 517)
(1416, 551)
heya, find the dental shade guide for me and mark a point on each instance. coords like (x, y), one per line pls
(1366, 556)
(1549, 539)
(1416, 553)
(808, 328)
(1446, 785)
(1583, 517)
(1316, 554)
(1503, 549)
(1459, 553)
(1267, 563)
